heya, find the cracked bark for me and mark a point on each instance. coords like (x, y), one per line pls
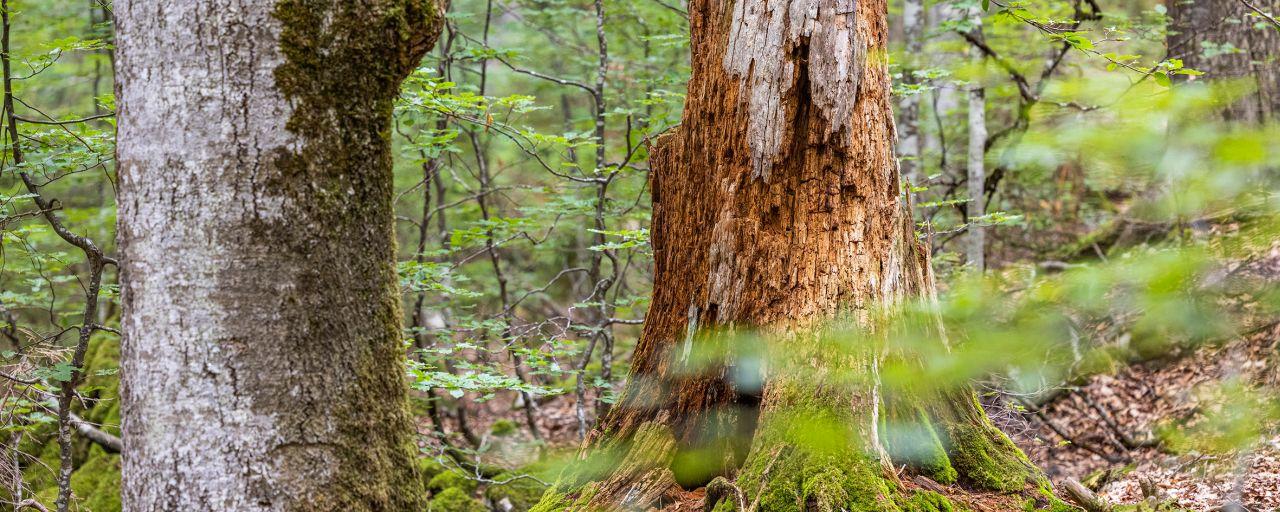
(776, 207)
(261, 359)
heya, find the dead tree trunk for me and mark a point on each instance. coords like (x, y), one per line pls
(777, 207)
(1228, 41)
(262, 358)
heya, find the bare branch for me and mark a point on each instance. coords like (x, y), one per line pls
(108, 442)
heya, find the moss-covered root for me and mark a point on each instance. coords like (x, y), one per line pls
(815, 450)
(981, 454)
(948, 437)
(929, 501)
(909, 436)
(629, 475)
(787, 476)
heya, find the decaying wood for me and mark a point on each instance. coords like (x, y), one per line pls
(777, 208)
(776, 202)
(1081, 495)
(762, 37)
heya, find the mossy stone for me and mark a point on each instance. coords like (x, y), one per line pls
(521, 493)
(452, 480)
(454, 499)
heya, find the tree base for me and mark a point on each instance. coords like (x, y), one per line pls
(809, 455)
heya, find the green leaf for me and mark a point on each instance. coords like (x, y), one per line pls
(60, 372)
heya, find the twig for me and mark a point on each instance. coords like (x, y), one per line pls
(68, 121)
(764, 475)
(18, 380)
(1063, 433)
(31, 503)
(1259, 12)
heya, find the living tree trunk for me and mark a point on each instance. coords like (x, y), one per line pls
(1227, 40)
(909, 143)
(777, 207)
(976, 165)
(262, 357)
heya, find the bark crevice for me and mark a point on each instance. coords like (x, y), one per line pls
(778, 201)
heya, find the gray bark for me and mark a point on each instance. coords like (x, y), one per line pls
(977, 174)
(261, 360)
(909, 145)
(944, 100)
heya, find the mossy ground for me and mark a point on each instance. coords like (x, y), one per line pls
(930, 501)
(519, 493)
(454, 499)
(454, 491)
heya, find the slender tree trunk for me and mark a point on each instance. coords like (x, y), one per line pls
(1223, 39)
(262, 356)
(976, 243)
(777, 207)
(943, 101)
(909, 143)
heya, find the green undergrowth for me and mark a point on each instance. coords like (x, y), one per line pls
(454, 490)
(95, 480)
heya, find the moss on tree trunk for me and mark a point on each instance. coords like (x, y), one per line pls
(262, 362)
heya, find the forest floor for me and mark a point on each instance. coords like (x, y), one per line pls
(1147, 431)
(1110, 423)
(1103, 431)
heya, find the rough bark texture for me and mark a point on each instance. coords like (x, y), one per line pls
(261, 362)
(777, 207)
(1198, 26)
(821, 232)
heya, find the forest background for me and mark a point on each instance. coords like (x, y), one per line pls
(1077, 172)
